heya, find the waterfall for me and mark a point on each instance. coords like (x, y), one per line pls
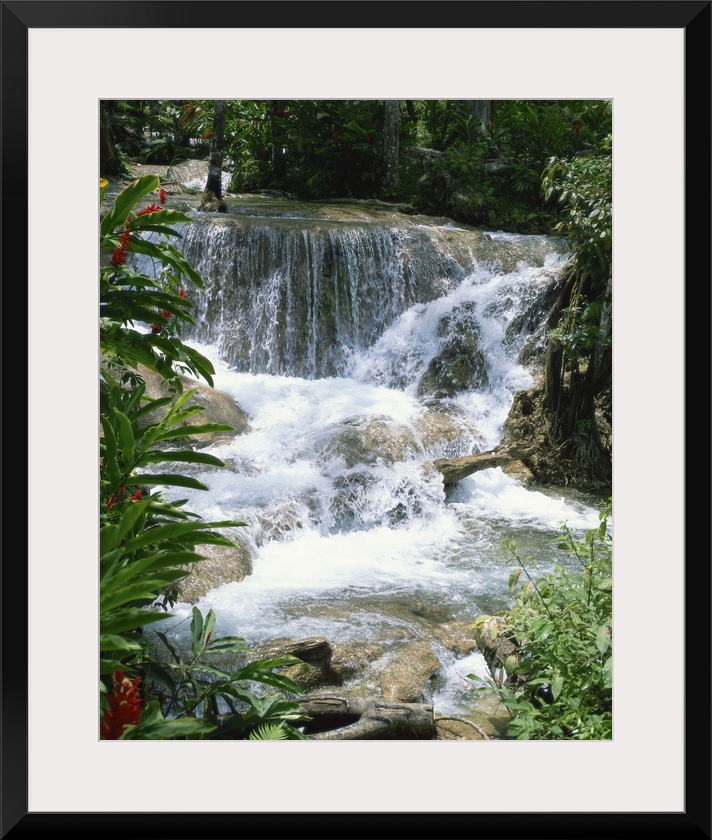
(363, 344)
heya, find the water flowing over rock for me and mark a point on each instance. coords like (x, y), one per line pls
(299, 289)
(366, 348)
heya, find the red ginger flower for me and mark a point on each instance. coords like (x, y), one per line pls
(124, 707)
(119, 255)
(114, 499)
(152, 208)
(165, 313)
(162, 195)
(181, 293)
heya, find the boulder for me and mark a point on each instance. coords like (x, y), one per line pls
(218, 407)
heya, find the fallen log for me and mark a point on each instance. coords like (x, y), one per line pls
(336, 718)
(509, 458)
(455, 469)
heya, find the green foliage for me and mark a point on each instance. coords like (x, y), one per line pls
(561, 685)
(148, 545)
(583, 188)
(322, 149)
(161, 131)
(181, 687)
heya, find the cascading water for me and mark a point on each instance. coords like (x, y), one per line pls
(364, 344)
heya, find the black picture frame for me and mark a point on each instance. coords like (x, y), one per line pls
(693, 16)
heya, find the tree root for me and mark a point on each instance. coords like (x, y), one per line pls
(463, 720)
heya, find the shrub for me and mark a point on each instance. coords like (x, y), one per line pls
(561, 685)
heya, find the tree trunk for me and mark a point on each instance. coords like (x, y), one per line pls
(391, 138)
(214, 182)
(554, 359)
(482, 112)
(336, 718)
(570, 396)
(109, 160)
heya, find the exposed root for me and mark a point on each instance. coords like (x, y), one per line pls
(438, 718)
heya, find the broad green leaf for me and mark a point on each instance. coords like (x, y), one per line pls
(130, 516)
(210, 620)
(111, 465)
(108, 539)
(168, 730)
(196, 630)
(126, 200)
(228, 644)
(140, 590)
(556, 685)
(155, 673)
(110, 641)
(187, 456)
(175, 530)
(608, 672)
(129, 618)
(109, 666)
(167, 255)
(167, 479)
(197, 429)
(161, 218)
(603, 639)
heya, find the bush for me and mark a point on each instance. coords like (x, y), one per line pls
(561, 685)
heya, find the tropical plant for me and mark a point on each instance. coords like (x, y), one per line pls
(147, 544)
(579, 354)
(559, 685)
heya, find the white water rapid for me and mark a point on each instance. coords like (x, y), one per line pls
(361, 349)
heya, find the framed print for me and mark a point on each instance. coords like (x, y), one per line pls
(651, 61)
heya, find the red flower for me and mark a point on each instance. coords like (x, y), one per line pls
(181, 293)
(155, 328)
(550, 138)
(152, 208)
(114, 499)
(165, 313)
(136, 496)
(119, 255)
(162, 195)
(124, 707)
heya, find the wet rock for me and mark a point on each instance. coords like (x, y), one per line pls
(217, 406)
(223, 565)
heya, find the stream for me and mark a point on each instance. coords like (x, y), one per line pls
(364, 343)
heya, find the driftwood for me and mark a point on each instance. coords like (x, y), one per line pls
(455, 469)
(335, 718)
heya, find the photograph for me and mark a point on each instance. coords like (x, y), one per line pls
(356, 405)
(394, 325)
